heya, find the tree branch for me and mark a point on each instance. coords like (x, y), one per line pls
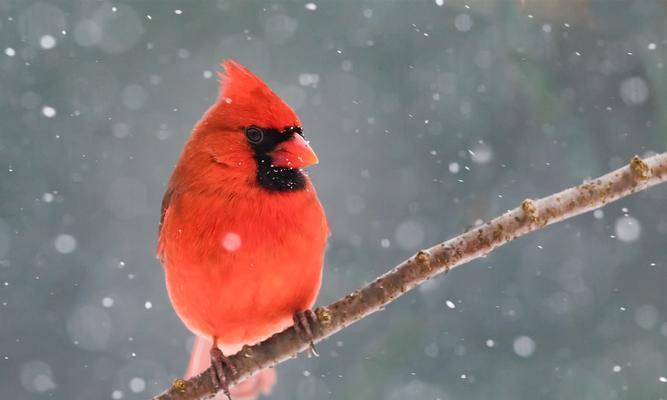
(531, 215)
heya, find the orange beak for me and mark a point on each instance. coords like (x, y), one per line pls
(294, 153)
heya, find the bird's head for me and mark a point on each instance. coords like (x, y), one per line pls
(252, 134)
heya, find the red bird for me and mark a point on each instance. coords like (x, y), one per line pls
(242, 232)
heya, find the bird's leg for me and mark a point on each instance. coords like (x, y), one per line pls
(218, 363)
(303, 321)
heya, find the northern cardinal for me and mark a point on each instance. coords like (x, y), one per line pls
(242, 232)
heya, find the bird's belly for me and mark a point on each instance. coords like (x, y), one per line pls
(243, 298)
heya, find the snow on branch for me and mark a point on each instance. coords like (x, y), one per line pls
(531, 215)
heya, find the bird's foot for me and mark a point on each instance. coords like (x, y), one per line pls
(218, 363)
(303, 325)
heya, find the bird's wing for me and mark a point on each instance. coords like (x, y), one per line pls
(166, 200)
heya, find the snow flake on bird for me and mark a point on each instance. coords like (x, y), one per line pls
(231, 241)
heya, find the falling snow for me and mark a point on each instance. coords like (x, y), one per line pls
(426, 125)
(524, 346)
(628, 229)
(48, 111)
(47, 42)
(137, 385)
(463, 22)
(65, 243)
(634, 91)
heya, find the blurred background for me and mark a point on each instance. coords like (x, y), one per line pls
(428, 117)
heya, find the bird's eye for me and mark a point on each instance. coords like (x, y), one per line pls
(254, 134)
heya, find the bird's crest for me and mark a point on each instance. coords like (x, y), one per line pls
(246, 100)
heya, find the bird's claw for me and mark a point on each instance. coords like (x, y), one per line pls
(218, 363)
(303, 325)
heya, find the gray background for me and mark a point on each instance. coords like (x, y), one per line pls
(427, 117)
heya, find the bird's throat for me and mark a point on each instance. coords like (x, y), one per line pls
(278, 179)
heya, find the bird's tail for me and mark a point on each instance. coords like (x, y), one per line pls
(249, 389)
